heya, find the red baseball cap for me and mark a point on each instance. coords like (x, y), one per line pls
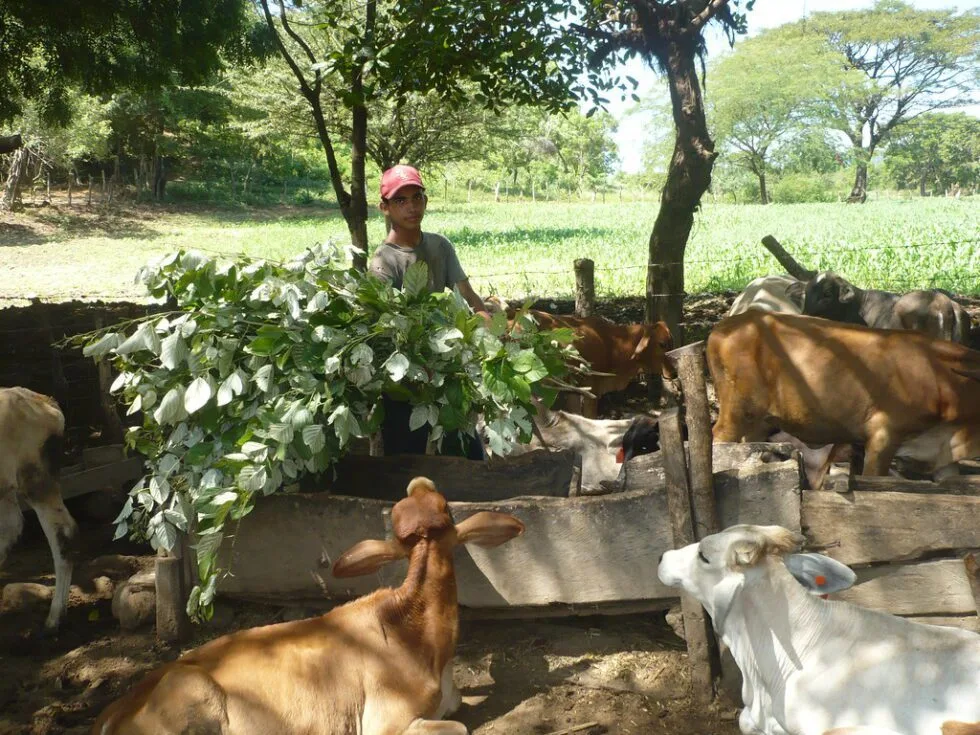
(398, 177)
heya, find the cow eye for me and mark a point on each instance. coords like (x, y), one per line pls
(702, 557)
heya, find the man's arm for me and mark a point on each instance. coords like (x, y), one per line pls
(472, 298)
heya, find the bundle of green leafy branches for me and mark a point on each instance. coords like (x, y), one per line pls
(264, 372)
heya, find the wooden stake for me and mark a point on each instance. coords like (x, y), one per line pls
(584, 287)
(690, 366)
(786, 260)
(696, 630)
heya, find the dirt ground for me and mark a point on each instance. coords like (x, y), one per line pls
(621, 674)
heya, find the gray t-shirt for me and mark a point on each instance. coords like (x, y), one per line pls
(390, 262)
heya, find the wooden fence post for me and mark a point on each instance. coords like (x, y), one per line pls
(696, 625)
(584, 287)
(689, 362)
(173, 625)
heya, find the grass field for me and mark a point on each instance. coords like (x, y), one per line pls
(514, 249)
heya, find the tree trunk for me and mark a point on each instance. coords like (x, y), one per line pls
(688, 177)
(922, 186)
(357, 221)
(11, 191)
(859, 192)
(763, 192)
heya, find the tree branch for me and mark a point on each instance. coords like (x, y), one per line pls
(698, 21)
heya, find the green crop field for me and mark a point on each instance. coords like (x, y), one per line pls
(516, 249)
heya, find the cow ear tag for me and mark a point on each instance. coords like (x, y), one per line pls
(820, 574)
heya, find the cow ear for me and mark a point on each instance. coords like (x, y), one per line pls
(488, 529)
(819, 573)
(846, 293)
(367, 557)
(641, 346)
(664, 338)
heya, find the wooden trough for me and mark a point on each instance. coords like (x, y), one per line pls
(578, 554)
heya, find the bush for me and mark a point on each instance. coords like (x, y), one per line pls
(801, 188)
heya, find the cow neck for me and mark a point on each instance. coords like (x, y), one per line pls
(772, 624)
(425, 605)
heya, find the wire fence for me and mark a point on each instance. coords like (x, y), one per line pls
(961, 280)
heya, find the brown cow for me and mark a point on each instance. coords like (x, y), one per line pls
(624, 350)
(829, 383)
(380, 665)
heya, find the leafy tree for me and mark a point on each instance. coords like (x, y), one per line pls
(936, 151)
(767, 92)
(909, 61)
(669, 35)
(355, 55)
(47, 48)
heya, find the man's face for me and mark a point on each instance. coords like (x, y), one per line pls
(406, 208)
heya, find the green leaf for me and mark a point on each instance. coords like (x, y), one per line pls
(159, 490)
(165, 535)
(344, 424)
(416, 278)
(314, 438)
(397, 366)
(144, 338)
(529, 364)
(171, 408)
(439, 342)
(103, 345)
(173, 351)
(263, 378)
(176, 517)
(197, 395)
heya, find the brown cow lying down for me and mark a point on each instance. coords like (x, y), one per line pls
(625, 350)
(380, 665)
(829, 383)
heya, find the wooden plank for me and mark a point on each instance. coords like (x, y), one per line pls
(541, 472)
(965, 622)
(690, 367)
(928, 588)
(110, 476)
(697, 631)
(956, 485)
(868, 527)
(576, 551)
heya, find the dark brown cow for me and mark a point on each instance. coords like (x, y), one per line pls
(829, 383)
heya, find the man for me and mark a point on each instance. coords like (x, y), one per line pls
(403, 201)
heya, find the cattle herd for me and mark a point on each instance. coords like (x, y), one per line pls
(832, 367)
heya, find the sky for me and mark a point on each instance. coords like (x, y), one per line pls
(765, 14)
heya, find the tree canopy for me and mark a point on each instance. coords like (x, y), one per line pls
(48, 48)
(908, 61)
(936, 151)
